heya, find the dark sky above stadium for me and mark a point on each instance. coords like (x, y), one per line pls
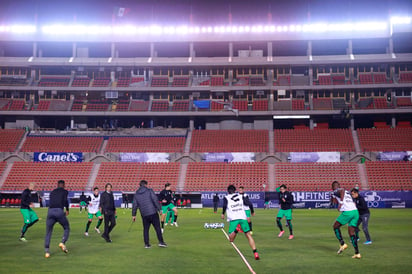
(211, 12)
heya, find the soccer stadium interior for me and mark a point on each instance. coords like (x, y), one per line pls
(262, 92)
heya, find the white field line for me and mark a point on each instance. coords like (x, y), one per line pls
(240, 253)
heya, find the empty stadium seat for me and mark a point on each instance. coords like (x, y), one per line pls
(389, 175)
(9, 139)
(217, 176)
(126, 176)
(229, 141)
(385, 139)
(146, 144)
(316, 176)
(62, 144)
(46, 175)
(306, 140)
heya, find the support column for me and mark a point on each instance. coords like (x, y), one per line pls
(74, 50)
(191, 124)
(349, 50)
(311, 124)
(393, 122)
(34, 49)
(71, 123)
(352, 124)
(192, 52)
(270, 49)
(230, 50)
(390, 46)
(309, 50)
(112, 50)
(152, 50)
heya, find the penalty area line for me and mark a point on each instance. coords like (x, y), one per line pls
(240, 253)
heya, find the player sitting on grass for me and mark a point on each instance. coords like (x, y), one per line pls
(94, 210)
(349, 215)
(233, 206)
(286, 202)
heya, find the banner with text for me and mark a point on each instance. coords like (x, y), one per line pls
(395, 156)
(57, 157)
(145, 157)
(257, 198)
(229, 157)
(321, 199)
(318, 157)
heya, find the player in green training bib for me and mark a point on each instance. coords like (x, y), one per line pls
(94, 211)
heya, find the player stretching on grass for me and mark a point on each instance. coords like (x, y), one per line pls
(93, 209)
(247, 208)
(286, 202)
(349, 215)
(29, 216)
(233, 206)
(166, 198)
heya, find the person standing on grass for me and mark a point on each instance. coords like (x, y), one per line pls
(147, 202)
(108, 208)
(58, 201)
(29, 216)
(215, 202)
(285, 210)
(93, 209)
(233, 206)
(349, 215)
(170, 215)
(247, 208)
(83, 202)
(364, 215)
(165, 197)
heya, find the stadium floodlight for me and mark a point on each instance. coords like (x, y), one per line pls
(285, 28)
(19, 29)
(157, 30)
(399, 20)
(247, 29)
(291, 116)
(169, 30)
(272, 28)
(370, 26)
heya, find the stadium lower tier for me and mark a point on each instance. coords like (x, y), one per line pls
(197, 177)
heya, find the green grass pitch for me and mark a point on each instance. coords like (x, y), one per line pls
(193, 249)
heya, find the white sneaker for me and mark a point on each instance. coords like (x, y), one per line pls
(162, 230)
(97, 230)
(175, 224)
(166, 224)
(86, 234)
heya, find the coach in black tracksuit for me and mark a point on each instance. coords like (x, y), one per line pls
(146, 200)
(364, 215)
(58, 201)
(109, 211)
